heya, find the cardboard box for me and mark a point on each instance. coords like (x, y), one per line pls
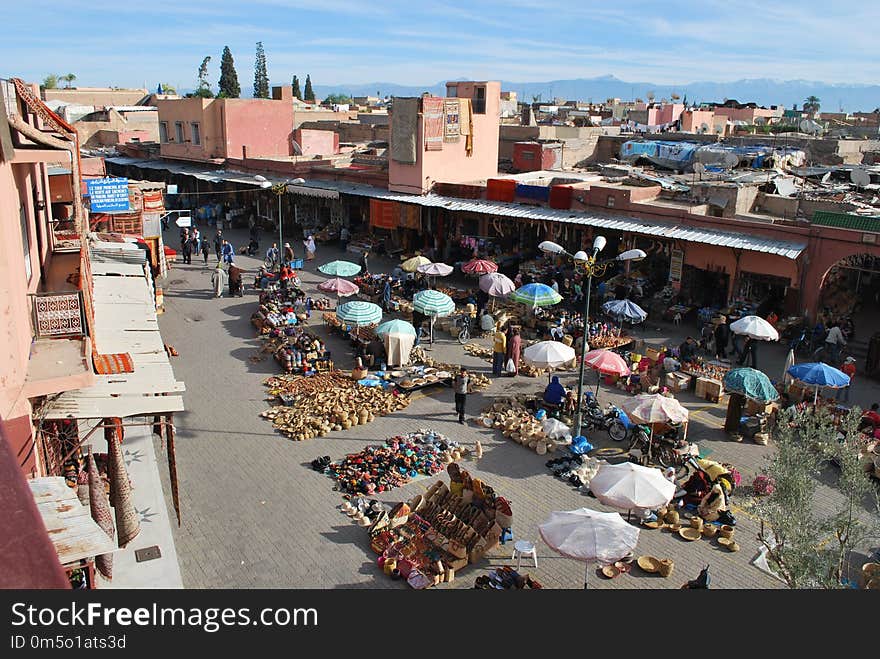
(711, 390)
(678, 381)
(754, 407)
(653, 353)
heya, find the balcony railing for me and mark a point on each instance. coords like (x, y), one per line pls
(58, 314)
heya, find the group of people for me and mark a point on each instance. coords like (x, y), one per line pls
(506, 349)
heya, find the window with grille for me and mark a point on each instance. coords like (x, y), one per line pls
(163, 132)
(196, 131)
(178, 129)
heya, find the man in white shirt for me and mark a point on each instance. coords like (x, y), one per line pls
(833, 342)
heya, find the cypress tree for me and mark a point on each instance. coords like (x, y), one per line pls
(296, 91)
(261, 76)
(228, 84)
(309, 92)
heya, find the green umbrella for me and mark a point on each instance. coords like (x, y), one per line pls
(340, 269)
(433, 303)
(536, 295)
(751, 384)
(359, 313)
(395, 327)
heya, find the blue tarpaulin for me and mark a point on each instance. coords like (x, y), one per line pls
(539, 192)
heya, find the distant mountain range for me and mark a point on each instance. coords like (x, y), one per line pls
(764, 91)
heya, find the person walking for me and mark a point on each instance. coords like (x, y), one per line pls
(205, 251)
(288, 253)
(514, 347)
(227, 251)
(364, 263)
(219, 279)
(218, 244)
(186, 246)
(460, 387)
(309, 244)
(236, 286)
(344, 237)
(722, 336)
(499, 350)
(386, 295)
(833, 343)
(749, 349)
(849, 367)
(196, 240)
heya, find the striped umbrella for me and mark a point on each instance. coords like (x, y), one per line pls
(536, 295)
(340, 269)
(433, 303)
(395, 327)
(359, 313)
(411, 265)
(342, 287)
(479, 267)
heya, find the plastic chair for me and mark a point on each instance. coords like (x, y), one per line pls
(524, 548)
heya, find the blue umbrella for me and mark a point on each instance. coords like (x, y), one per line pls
(625, 310)
(819, 374)
(536, 295)
(751, 384)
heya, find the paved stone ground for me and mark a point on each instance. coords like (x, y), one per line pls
(255, 514)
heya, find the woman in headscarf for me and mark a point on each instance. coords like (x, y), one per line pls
(554, 393)
(219, 279)
(309, 244)
(514, 347)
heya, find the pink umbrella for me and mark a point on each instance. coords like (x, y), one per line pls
(479, 267)
(605, 362)
(342, 287)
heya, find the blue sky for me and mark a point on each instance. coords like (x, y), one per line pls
(114, 42)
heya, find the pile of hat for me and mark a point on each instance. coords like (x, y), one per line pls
(401, 459)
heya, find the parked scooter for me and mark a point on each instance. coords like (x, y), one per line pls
(611, 419)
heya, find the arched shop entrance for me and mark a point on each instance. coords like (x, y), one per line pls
(851, 287)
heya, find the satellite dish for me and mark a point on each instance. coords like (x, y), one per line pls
(730, 160)
(860, 177)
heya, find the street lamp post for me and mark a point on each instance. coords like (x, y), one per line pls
(590, 267)
(280, 189)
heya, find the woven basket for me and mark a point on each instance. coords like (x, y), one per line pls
(100, 510)
(666, 567)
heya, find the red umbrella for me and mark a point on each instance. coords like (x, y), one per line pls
(607, 362)
(479, 267)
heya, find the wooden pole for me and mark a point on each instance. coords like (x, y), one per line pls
(172, 468)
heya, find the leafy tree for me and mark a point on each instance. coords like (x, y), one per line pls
(228, 84)
(261, 75)
(68, 78)
(811, 104)
(50, 81)
(168, 89)
(807, 550)
(309, 93)
(297, 93)
(337, 98)
(204, 88)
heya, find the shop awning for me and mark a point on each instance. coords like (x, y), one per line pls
(71, 528)
(718, 201)
(312, 192)
(125, 322)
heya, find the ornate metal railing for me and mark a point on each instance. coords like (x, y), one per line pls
(58, 314)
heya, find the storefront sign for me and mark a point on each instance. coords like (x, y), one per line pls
(676, 262)
(108, 195)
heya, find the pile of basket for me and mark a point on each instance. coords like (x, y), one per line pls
(319, 404)
(476, 382)
(515, 422)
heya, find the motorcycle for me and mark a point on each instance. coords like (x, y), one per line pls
(668, 448)
(611, 419)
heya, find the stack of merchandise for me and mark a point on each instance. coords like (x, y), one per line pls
(505, 578)
(402, 459)
(427, 539)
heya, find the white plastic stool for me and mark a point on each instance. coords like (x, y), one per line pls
(524, 548)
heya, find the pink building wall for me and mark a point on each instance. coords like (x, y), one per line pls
(228, 127)
(665, 114)
(744, 114)
(317, 142)
(452, 164)
(691, 120)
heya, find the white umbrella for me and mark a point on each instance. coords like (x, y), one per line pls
(655, 408)
(435, 269)
(548, 354)
(756, 328)
(630, 486)
(589, 536)
(497, 284)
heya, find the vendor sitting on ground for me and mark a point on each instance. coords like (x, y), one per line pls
(554, 393)
(687, 351)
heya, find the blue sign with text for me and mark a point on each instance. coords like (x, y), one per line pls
(108, 195)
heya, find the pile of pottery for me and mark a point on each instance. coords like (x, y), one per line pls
(477, 381)
(317, 404)
(516, 422)
(692, 529)
(400, 460)
(428, 538)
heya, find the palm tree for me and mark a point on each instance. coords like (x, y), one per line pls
(811, 104)
(68, 78)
